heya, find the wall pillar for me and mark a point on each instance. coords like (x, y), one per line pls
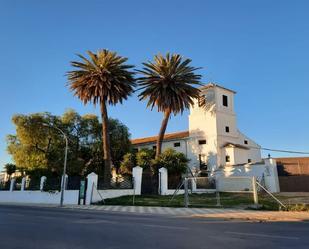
(271, 175)
(163, 181)
(42, 183)
(23, 184)
(12, 184)
(92, 183)
(137, 173)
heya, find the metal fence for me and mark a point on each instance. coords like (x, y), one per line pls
(120, 182)
(4, 186)
(52, 184)
(33, 183)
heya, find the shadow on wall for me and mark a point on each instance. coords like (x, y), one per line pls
(202, 149)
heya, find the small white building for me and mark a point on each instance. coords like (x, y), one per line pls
(213, 139)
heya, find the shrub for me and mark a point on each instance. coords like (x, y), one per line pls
(145, 158)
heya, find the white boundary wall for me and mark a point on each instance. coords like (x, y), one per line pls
(38, 197)
(164, 190)
(94, 195)
(70, 196)
(266, 170)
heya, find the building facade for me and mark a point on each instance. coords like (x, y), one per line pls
(213, 139)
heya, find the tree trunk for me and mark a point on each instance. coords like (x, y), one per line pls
(167, 114)
(106, 145)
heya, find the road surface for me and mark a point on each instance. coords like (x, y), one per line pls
(34, 227)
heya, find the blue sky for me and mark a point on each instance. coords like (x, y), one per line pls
(258, 48)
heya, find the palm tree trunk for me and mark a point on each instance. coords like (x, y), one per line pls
(167, 114)
(106, 145)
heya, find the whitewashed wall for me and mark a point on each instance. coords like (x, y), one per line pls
(38, 197)
(94, 195)
(266, 170)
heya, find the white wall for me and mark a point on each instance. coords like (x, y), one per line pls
(266, 170)
(163, 185)
(38, 197)
(94, 195)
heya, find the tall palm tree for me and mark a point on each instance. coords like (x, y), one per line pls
(169, 84)
(103, 79)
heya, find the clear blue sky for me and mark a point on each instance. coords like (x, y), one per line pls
(258, 48)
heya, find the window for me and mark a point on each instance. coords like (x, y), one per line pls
(200, 142)
(245, 141)
(227, 159)
(135, 150)
(224, 100)
(154, 147)
(227, 129)
(177, 144)
(249, 160)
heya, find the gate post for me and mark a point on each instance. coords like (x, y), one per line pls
(12, 184)
(92, 182)
(163, 184)
(137, 173)
(42, 182)
(23, 183)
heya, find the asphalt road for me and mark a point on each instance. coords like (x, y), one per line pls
(33, 227)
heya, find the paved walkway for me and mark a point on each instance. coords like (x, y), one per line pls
(157, 210)
(219, 213)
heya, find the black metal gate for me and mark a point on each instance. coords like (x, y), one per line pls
(150, 183)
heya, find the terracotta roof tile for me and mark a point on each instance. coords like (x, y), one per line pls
(168, 136)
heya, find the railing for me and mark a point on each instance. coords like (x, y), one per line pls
(4, 186)
(120, 182)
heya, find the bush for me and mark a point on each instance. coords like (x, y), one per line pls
(145, 158)
(127, 164)
(175, 162)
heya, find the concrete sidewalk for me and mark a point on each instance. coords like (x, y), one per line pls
(217, 213)
(220, 213)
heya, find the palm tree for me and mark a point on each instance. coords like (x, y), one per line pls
(169, 84)
(103, 79)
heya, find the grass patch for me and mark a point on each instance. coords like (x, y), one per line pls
(227, 200)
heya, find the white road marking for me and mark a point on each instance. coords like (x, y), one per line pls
(263, 235)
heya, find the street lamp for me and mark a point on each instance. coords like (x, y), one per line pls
(65, 161)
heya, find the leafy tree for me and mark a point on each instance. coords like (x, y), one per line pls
(40, 148)
(175, 162)
(127, 164)
(119, 141)
(169, 84)
(102, 79)
(10, 169)
(145, 158)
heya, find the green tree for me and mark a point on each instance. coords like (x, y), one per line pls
(10, 169)
(175, 162)
(40, 149)
(120, 141)
(103, 79)
(169, 84)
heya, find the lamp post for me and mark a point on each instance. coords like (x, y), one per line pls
(65, 161)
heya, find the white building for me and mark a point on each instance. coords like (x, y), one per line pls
(213, 138)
